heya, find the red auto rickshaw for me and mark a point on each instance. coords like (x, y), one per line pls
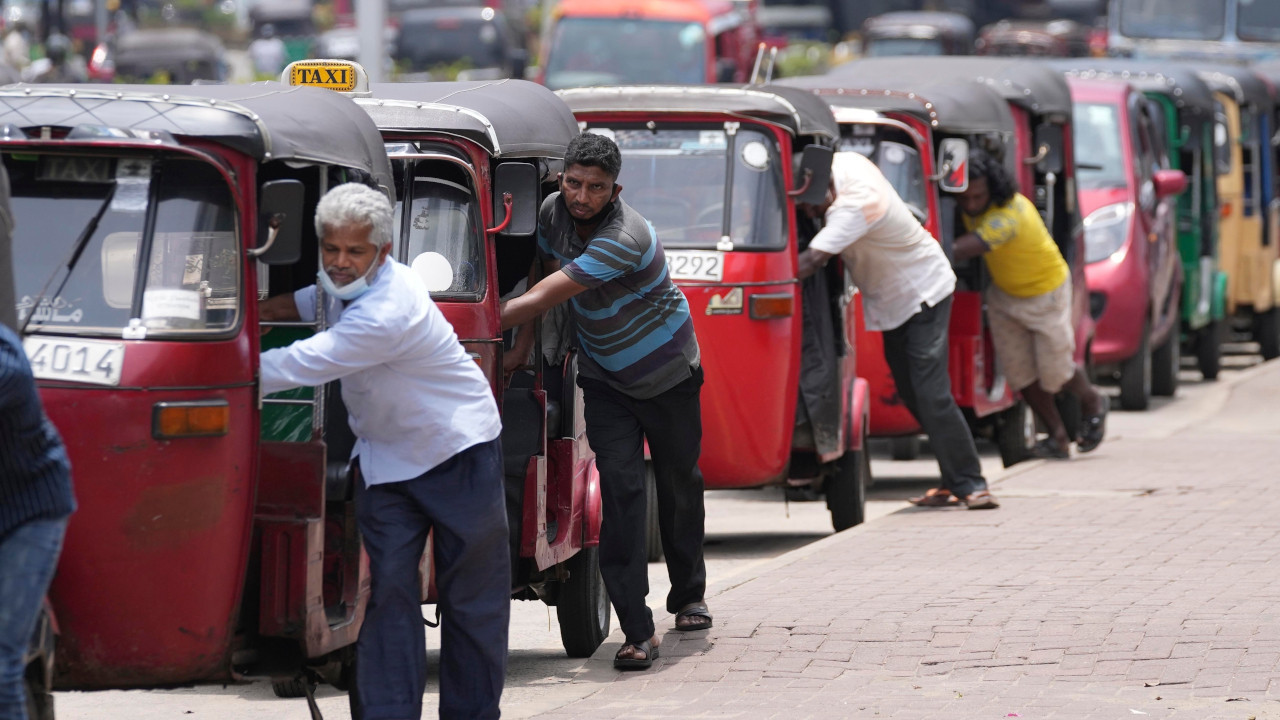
(472, 163)
(910, 134)
(213, 540)
(711, 167)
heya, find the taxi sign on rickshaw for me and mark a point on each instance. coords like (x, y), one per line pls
(342, 76)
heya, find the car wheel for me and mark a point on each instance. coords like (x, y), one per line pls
(1135, 376)
(1209, 349)
(583, 606)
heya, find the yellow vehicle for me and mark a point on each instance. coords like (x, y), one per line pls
(1249, 224)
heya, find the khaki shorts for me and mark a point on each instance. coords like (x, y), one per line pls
(1034, 337)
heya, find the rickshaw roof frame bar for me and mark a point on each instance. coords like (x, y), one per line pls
(1183, 85)
(959, 109)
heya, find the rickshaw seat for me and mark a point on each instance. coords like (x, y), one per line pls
(522, 424)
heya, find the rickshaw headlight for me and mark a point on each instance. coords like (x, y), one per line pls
(202, 418)
(1106, 230)
(767, 306)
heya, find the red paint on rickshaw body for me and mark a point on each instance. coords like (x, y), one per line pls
(163, 528)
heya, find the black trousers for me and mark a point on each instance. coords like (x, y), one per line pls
(917, 354)
(617, 426)
(462, 500)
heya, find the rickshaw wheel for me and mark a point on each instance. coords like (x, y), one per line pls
(652, 532)
(294, 688)
(1266, 330)
(1167, 359)
(1209, 349)
(1136, 375)
(1016, 433)
(846, 489)
(583, 607)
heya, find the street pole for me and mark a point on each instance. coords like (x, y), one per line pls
(371, 23)
(99, 22)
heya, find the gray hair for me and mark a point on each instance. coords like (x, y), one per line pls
(355, 205)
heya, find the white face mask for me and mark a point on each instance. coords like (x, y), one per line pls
(351, 290)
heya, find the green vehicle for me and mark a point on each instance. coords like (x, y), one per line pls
(1192, 118)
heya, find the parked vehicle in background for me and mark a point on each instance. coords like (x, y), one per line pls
(1035, 38)
(177, 56)
(627, 42)
(712, 169)
(917, 33)
(291, 20)
(904, 131)
(1250, 218)
(1214, 30)
(1128, 200)
(458, 43)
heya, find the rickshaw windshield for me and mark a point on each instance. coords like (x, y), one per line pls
(190, 277)
(1259, 20)
(439, 234)
(1097, 127)
(625, 51)
(900, 163)
(1177, 19)
(676, 178)
(887, 47)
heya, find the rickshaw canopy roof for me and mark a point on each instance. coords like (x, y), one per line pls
(1189, 92)
(796, 110)
(167, 45)
(1241, 83)
(1030, 84)
(508, 118)
(267, 120)
(959, 108)
(916, 23)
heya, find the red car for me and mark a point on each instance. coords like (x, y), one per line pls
(1132, 265)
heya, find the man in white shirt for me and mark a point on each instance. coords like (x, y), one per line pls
(906, 283)
(429, 455)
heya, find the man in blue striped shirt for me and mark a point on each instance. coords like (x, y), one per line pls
(640, 377)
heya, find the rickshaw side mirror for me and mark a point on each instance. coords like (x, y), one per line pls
(814, 177)
(1169, 183)
(280, 222)
(953, 165)
(520, 181)
(1049, 141)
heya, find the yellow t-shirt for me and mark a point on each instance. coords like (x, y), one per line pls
(1023, 259)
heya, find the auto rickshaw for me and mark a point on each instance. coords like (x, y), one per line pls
(473, 162)
(1041, 155)
(911, 32)
(1128, 194)
(711, 167)
(909, 135)
(174, 56)
(1187, 108)
(1035, 38)
(208, 545)
(1250, 217)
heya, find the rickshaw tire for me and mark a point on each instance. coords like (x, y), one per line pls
(846, 490)
(1209, 349)
(1266, 330)
(1136, 375)
(1165, 362)
(583, 610)
(652, 532)
(295, 688)
(39, 702)
(1011, 433)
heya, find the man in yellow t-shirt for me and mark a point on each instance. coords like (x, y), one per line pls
(1028, 303)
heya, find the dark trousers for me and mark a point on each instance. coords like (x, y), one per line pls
(462, 500)
(28, 556)
(917, 353)
(617, 426)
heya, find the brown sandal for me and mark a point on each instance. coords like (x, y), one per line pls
(937, 497)
(981, 500)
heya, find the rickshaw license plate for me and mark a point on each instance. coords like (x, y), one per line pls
(85, 361)
(695, 265)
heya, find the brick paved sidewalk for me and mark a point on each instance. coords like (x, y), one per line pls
(1141, 581)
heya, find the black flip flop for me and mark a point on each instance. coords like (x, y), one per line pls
(694, 610)
(632, 663)
(1094, 428)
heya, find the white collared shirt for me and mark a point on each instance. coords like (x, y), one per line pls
(414, 396)
(894, 261)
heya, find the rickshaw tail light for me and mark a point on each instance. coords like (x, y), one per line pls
(206, 418)
(767, 306)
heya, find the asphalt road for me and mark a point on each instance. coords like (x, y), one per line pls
(744, 529)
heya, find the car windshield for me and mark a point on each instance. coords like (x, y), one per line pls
(1097, 131)
(904, 46)
(675, 179)
(1259, 20)
(191, 275)
(443, 240)
(1174, 19)
(427, 42)
(620, 51)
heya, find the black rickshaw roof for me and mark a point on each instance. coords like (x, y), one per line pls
(961, 108)
(508, 118)
(942, 21)
(1187, 89)
(798, 111)
(1030, 84)
(267, 120)
(1240, 82)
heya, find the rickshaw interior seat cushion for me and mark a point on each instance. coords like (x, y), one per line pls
(521, 429)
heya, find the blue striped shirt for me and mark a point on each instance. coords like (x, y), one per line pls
(633, 323)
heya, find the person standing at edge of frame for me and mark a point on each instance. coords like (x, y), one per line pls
(640, 377)
(428, 457)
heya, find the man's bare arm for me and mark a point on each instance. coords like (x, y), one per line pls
(551, 291)
(811, 261)
(280, 308)
(967, 247)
